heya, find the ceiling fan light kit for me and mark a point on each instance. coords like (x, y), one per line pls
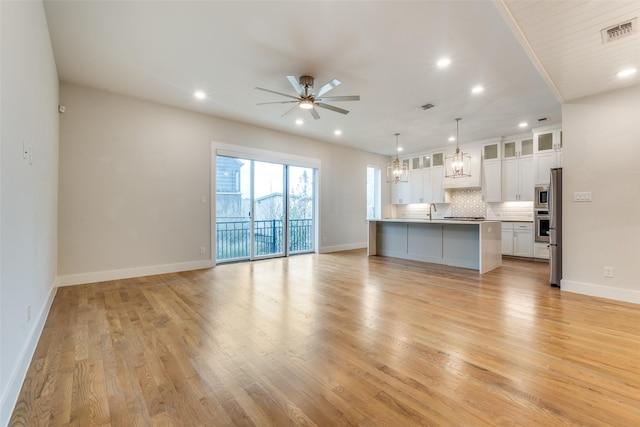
(308, 99)
(306, 104)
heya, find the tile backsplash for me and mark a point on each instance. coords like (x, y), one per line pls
(510, 211)
(468, 202)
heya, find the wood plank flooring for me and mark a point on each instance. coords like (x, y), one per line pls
(334, 340)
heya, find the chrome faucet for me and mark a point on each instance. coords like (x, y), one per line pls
(434, 210)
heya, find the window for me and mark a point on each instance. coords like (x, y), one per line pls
(374, 210)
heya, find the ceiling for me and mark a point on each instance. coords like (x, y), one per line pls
(528, 55)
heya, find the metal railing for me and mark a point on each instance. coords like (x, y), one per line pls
(233, 237)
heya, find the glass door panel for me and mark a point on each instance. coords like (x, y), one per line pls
(301, 209)
(268, 209)
(233, 209)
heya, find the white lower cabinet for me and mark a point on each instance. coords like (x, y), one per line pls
(507, 238)
(517, 239)
(541, 250)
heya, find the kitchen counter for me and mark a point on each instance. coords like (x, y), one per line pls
(460, 243)
(436, 221)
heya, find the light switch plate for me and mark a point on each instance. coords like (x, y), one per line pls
(582, 196)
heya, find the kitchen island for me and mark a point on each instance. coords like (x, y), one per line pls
(468, 244)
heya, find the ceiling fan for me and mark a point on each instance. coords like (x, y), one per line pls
(307, 99)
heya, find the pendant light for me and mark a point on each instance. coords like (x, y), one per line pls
(397, 171)
(458, 164)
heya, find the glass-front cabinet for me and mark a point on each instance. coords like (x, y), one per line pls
(517, 148)
(517, 169)
(426, 173)
(491, 173)
(548, 153)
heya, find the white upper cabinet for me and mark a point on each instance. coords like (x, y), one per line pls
(436, 175)
(415, 163)
(517, 170)
(416, 185)
(491, 173)
(548, 153)
(401, 191)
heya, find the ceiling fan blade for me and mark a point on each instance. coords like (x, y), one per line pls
(277, 93)
(327, 87)
(314, 113)
(277, 102)
(332, 108)
(295, 84)
(338, 98)
(290, 110)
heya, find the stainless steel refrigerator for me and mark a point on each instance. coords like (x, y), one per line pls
(555, 227)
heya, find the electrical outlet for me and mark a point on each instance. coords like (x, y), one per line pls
(203, 200)
(29, 313)
(608, 272)
(203, 250)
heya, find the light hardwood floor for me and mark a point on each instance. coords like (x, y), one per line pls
(332, 340)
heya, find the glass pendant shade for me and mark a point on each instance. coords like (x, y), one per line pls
(458, 164)
(397, 171)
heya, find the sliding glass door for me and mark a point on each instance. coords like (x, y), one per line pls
(233, 208)
(263, 209)
(301, 208)
(268, 208)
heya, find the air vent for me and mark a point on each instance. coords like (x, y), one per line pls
(427, 106)
(543, 119)
(619, 31)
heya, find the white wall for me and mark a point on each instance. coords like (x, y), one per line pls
(132, 174)
(28, 195)
(601, 154)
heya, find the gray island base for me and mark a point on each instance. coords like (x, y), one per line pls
(469, 244)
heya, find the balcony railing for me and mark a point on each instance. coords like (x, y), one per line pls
(233, 237)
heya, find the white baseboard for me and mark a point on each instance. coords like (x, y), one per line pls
(338, 248)
(12, 390)
(101, 276)
(618, 294)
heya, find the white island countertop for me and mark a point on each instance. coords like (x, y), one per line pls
(475, 244)
(436, 221)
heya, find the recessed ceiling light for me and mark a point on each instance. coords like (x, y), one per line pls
(626, 73)
(200, 95)
(443, 62)
(299, 122)
(399, 149)
(337, 132)
(452, 138)
(523, 124)
(477, 89)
